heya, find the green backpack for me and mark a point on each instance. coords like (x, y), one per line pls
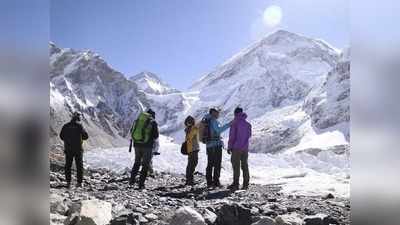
(142, 129)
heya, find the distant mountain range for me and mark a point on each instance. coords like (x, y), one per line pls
(295, 90)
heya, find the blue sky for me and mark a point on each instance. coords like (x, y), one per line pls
(181, 40)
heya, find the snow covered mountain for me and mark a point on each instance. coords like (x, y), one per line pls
(152, 84)
(279, 81)
(82, 81)
(294, 89)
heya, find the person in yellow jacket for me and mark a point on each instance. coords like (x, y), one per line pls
(192, 141)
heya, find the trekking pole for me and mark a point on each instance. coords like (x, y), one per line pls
(130, 146)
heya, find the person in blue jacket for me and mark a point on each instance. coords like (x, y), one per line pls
(214, 147)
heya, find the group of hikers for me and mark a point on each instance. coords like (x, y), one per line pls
(144, 135)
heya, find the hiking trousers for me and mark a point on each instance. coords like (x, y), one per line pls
(193, 159)
(143, 157)
(239, 160)
(214, 158)
(69, 158)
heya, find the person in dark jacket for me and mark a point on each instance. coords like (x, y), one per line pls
(143, 151)
(73, 134)
(238, 147)
(214, 147)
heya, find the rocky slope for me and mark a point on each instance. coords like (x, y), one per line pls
(82, 81)
(165, 194)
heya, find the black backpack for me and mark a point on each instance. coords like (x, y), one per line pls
(204, 130)
(184, 148)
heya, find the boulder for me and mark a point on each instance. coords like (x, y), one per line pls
(289, 219)
(151, 216)
(187, 216)
(233, 215)
(59, 204)
(90, 212)
(209, 216)
(265, 221)
(314, 219)
(56, 219)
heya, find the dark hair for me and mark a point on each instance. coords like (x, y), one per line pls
(238, 110)
(213, 110)
(188, 120)
(152, 113)
(76, 116)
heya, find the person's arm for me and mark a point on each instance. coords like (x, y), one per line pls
(62, 133)
(232, 136)
(217, 128)
(155, 131)
(85, 135)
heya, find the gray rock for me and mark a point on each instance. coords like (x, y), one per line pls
(314, 219)
(288, 219)
(91, 212)
(265, 221)
(209, 216)
(187, 215)
(233, 215)
(59, 204)
(151, 216)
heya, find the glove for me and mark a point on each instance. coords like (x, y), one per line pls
(229, 151)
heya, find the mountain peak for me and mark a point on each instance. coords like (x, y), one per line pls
(151, 83)
(145, 74)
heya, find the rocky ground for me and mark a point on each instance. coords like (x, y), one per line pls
(167, 201)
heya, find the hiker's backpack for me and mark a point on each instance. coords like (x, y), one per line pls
(142, 129)
(184, 148)
(204, 130)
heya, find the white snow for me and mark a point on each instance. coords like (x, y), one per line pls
(298, 173)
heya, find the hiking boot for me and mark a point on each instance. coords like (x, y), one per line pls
(78, 185)
(189, 183)
(68, 185)
(217, 184)
(132, 182)
(245, 187)
(233, 187)
(141, 187)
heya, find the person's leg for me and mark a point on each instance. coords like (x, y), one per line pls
(217, 165)
(151, 171)
(245, 168)
(189, 173)
(136, 165)
(67, 169)
(210, 164)
(79, 167)
(235, 160)
(146, 152)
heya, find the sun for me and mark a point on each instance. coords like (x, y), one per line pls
(272, 16)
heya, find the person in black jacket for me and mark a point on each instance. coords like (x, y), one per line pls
(143, 153)
(73, 134)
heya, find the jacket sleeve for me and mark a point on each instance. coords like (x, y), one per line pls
(193, 133)
(232, 136)
(155, 131)
(62, 133)
(217, 128)
(85, 135)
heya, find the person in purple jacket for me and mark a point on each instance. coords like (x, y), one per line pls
(238, 147)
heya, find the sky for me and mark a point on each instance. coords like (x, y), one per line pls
(182, 40)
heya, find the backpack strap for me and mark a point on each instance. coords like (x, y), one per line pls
(134, 127)
(146, 124)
